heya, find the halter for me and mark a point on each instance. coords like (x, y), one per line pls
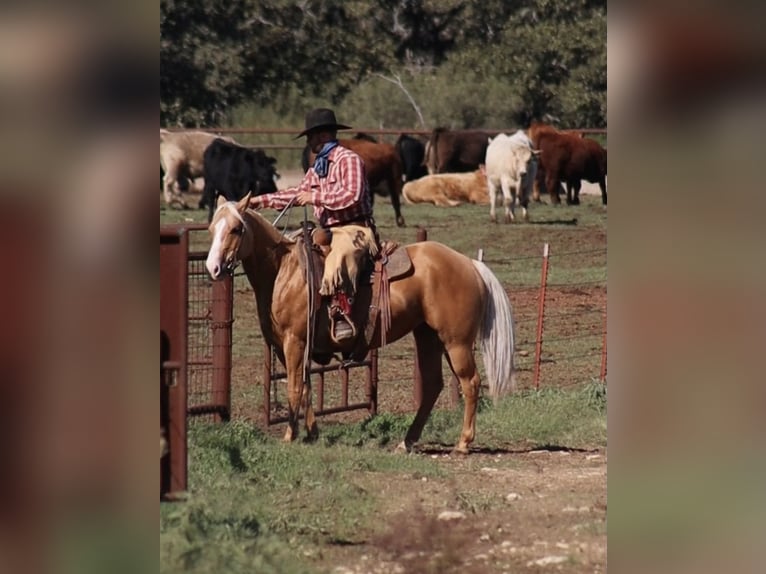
(232, 264)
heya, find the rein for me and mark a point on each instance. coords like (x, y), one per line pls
(282, 213)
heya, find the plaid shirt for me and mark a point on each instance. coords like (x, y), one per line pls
(341, 197)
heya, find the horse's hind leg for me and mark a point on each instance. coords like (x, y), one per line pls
(429, 351)
(463, 364)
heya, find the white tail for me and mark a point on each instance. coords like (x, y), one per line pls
(496, 335)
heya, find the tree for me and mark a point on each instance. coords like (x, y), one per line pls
(488, 62)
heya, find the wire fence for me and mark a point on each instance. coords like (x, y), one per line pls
(282, 143)
(561, 325)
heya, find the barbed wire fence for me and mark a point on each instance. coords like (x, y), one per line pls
(560, 324)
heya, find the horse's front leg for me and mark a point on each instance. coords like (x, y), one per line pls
(293, 349)
(312, 430)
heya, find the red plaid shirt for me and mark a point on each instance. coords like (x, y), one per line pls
(341, 197)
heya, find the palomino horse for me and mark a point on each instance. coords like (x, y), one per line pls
(447, 301)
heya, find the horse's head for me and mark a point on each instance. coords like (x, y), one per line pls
(229, 231)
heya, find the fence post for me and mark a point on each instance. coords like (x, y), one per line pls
(422, 235)
(603, 354)
(540, 316)
(222, 319)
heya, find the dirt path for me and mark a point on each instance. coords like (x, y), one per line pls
(539, 511)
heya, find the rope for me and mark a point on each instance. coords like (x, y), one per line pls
(307, 351)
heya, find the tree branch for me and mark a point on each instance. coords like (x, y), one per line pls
(398, 82)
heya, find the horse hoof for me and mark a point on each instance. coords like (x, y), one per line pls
(312, 435)
(461, 450)
(400, 221)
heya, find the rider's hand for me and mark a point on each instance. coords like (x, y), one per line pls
(304, 198)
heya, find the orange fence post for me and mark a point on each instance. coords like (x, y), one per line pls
(541, 316)
(603, 354)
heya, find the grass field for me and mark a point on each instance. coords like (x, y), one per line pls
(534, 487)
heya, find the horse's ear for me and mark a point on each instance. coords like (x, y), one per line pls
(244, 203)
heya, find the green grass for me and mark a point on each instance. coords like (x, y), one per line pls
(259, 505)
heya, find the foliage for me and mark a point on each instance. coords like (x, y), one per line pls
(490, 63)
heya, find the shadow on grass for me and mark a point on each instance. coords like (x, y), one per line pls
(442, 448)
(572, 221)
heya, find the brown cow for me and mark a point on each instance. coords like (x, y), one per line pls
(455, 151)
(382, 164)
(567, 158)
(448, 189)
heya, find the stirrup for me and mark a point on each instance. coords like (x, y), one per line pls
(341, 328)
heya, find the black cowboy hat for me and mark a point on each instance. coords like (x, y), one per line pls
(321, 118)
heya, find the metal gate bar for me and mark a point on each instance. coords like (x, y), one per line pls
(370, 364)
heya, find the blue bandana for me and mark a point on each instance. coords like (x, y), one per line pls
(322, 163)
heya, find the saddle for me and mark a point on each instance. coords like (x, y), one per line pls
(391, 264)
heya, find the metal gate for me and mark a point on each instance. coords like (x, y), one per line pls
(274, 411)
(195, 348)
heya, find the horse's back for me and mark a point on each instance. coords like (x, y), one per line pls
(444, 283)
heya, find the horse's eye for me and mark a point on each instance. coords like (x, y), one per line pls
(238, 230)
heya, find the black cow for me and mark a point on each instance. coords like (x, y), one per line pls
(232, 171)
(412, 152)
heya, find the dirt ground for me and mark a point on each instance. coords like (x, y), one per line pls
(551, 518)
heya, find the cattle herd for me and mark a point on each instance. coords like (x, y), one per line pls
(448, 168)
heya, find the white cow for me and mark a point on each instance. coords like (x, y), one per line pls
(181, 156)
(511, 166)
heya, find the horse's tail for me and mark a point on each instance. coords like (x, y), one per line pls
(496, 335)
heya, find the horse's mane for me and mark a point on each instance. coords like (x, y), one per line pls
(253, 213)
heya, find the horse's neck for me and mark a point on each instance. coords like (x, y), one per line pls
(262, 266)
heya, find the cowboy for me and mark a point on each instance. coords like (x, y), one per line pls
(336, 185)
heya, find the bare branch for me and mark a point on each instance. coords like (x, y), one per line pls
(397, 80)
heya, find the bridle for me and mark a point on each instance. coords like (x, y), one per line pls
(231, 262)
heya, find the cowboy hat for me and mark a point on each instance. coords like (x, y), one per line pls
(321, 118)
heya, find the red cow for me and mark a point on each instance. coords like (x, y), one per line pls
(567, 158)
